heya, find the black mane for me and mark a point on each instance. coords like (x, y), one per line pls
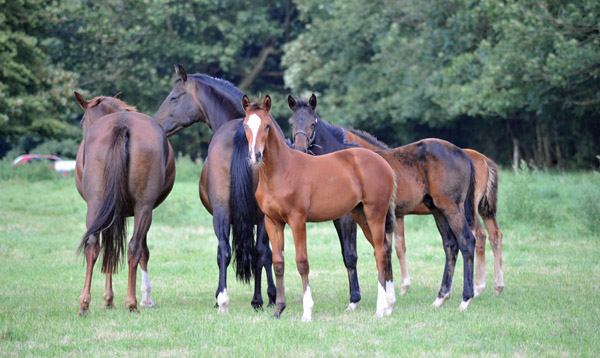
(369, 138)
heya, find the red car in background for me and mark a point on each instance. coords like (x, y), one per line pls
(64, 166)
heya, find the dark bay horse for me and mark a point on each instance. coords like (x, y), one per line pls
(226, 186)
(431, 172)
(295, 188)
(125, 167)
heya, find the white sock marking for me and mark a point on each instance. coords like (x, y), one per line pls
(253, 123)
(223, 302)
(382, 303)
(390, 293)
(307, 304)
(146, 289)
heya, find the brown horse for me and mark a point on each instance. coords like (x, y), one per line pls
(486, 203)
(431, 172)
(125, 167)
(227, 182)
(295, 188)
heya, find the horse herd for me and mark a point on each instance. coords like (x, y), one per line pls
(254, 181)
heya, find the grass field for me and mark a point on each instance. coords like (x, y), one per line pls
(550, 306)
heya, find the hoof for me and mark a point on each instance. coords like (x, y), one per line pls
(388, 311)
(223, 302)
(83, 311)
(479, 290)
(404, 286)
(306, 318)
(147, 304)
(109, 305)
(464, 305)
(498, 289)
(258, 308)
(440, 301)
(352, 306)
(131, 305)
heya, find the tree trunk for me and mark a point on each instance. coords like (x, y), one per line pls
(557, 150)
(258, 66)
(547, 152)
(515, 154)
(538, 151)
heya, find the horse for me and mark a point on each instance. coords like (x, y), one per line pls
(124, 167)
(486, 201)
(226, 186)
(295, 188)
(430, 173)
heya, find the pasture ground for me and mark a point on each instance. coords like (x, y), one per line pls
(550, 306)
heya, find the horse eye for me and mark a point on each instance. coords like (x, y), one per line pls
(312, 125)
(267, 127)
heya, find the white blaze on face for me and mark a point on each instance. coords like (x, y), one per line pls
(253, 123)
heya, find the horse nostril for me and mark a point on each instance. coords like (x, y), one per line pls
(258, 156)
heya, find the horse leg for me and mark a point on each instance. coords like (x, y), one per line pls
(92, 249)
(141, 225)
(451, 251)
(495, 237)
(479, 234)
(275, 232)
(401, 253)
(108, 292)
(298, 227)
(263, 259)
(146, 286)
(385, 289)
(221, 226)
(346, 230)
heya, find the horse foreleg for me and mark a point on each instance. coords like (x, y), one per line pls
(145, 286)
(221, 223)
(92, 249)
(298, 227)
(142, 220)
(108, 292)
(451, 251)
(346, 230)
(275, 232)
(400, 245)
(495, 237)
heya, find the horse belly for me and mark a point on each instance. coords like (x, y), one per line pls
(334, 197)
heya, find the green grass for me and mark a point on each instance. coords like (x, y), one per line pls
(550, 306)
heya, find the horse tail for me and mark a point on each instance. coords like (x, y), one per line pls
(390, 217)
(111, 218)
(242, 207)
(470, 200)
(489, 203)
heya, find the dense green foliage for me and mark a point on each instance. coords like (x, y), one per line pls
(491, 75)
(550, 306)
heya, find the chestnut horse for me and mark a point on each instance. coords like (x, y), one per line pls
(226, 185)
(294, 188)
(431, 173)
(125, 167)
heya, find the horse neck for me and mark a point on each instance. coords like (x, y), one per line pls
(218, 106)
(275, 155)
(352, 137)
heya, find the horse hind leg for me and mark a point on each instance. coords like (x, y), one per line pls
(146, 287)
(142, 221)
(92, 250)
(108, 293)
(221, 223)
(400, 245)
(263, 259)
(495, 237)
(479, 235)
(346, 230)
(451, 252)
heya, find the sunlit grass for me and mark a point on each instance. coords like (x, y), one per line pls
(550, 306)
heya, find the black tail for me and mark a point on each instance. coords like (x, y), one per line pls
(111, 218)
(470, 200)
(242, 205)
(489, 203)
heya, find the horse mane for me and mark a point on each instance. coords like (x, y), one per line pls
(369, 138)
(223, 92)
(114, 103)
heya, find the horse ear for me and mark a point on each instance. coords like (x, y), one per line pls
(291, 102)
(246, 104)
(82, 102)
(181, 72)
(118, 95)
(312, 102)
(267, 103)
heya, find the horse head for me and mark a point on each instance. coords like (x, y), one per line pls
(257, 124)
(182, 107)
(304, 122)
(99, 107)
